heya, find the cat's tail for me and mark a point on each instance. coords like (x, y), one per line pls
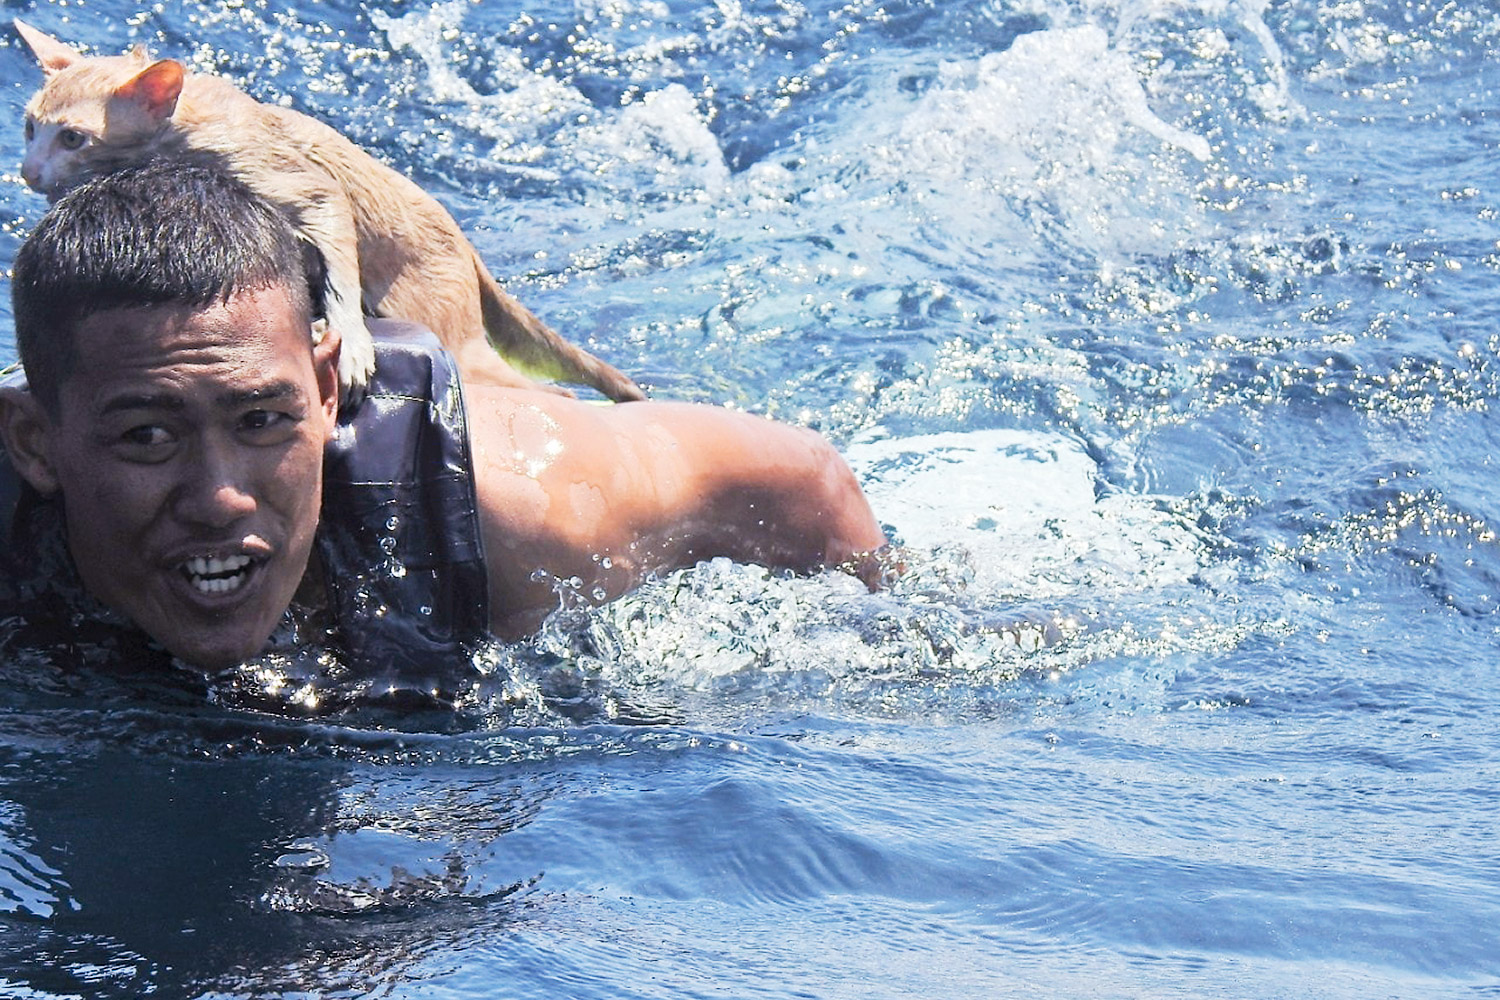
(532, 346)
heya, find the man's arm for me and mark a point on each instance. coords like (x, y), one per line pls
(609, 494)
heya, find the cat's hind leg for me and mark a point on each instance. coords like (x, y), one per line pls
(441, 293)
(478, 362)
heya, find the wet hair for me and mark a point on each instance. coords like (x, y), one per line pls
(151, 235)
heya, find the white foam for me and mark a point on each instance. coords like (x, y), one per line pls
(1028, 510)
(1057, 127)
(524, 100)
(423, 32)
(1274, 98)
(1025, 511)
(669, 134)
(658, 143)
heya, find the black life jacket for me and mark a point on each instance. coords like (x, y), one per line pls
(398, 540)
(399, 534)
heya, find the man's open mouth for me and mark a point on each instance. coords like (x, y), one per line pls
(218, 576)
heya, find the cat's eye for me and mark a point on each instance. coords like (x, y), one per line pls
(70, 138)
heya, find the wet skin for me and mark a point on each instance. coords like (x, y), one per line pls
(608, 495)
(188, 451)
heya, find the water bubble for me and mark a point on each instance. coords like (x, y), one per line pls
(303, 856)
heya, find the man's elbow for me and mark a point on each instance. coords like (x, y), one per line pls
(855, 526)
(841, 527)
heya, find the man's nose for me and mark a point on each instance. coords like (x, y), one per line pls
(215, 493)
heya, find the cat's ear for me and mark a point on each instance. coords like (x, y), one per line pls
(52, 54)
(155, 88)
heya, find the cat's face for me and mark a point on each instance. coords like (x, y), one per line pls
(78, 126)
(63, 139)
(94, 115)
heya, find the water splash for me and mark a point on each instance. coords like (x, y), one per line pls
(1015, 566)
(1049, 128)
(664, 142)
(524, 104)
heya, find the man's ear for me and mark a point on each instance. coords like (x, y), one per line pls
(53, 55)
(326, 348)
(26, 433)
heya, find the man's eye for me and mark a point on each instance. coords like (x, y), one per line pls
(146, 443)
(70, 138)
(266, 421)
(147, 434)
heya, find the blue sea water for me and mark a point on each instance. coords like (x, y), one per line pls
(1162, 333)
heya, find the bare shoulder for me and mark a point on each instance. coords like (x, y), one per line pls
(608, 494)
(650, 458)
(593, 475)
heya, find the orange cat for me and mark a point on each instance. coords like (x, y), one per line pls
(391, 249)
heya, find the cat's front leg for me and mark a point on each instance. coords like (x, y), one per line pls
(329, 223)
(357, 347)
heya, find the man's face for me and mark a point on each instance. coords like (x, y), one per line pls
(188, 450)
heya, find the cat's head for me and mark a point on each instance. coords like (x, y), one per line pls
(94, 114)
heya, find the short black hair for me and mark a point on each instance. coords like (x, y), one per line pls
(155, 234)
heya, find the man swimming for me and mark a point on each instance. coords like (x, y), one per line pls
(181, 450)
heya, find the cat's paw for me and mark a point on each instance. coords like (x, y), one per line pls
(356, 363)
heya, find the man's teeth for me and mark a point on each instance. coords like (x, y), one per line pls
(217, 576)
